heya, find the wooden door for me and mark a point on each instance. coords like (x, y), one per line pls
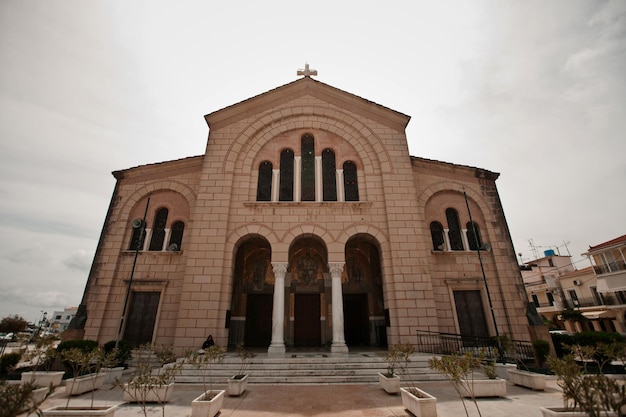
(470, 313)
(307, 325)
(258, 330)
(141, 318)
(356, 320)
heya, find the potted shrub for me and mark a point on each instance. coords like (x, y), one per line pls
(86, 367)
(460, 371)
(210, 402)
(146, 386)
(41, 358)
(523, 376)
(417, 401)
(17, 399)
(585, 393)
(123, 353)
(389, 380)
(237, 383)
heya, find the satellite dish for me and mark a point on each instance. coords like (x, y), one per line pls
(173, 247)
(137, 223)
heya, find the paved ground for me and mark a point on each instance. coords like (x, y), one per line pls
(349, 400)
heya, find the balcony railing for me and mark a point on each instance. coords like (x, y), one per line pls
(449, 343)
(610, 268)
(605, 300)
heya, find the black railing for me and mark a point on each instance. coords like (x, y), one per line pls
(609, 268)
(450, 343)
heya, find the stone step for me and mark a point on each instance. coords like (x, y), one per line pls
(308, 369)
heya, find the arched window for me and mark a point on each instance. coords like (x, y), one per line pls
(158, 229)
(436, 232)
(286, 176)
(139, 235)
(350, 184)
(307, 148)
(473, 236)
(329, 175)
(176, 237)
(264, 186)
(454, 229)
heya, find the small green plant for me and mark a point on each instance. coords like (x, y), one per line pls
(204, 362)
(123, 349)
(17, 399)
(144, 382)
(541, 349)
(245, 360)
(393, 357)
(594, 393)
(84, 363)
(459, 369)
(42, 356)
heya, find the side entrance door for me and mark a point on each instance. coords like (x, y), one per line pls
(356, 320)
(307, 326)
(141, 318)
(470, 313)
(258, 331)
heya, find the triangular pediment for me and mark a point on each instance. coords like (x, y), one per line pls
(303, 87)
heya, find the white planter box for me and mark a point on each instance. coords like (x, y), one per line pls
(483, 387)
(201, 408)
(156, 394)
(391, 384)
(562, 412)
(61, 411)
(80, 385)
(236, 387)
(422, 405)
(113, 374)
(43, 378)
(527, 379)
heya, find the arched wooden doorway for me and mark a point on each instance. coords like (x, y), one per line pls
(308, 294)
(363, 303)
(250, 320)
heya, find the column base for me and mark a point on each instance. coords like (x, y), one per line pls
(340, 347)
(276, 349)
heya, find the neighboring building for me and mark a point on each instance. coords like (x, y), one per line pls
(597, 292)
(306, 223)
(61, 319)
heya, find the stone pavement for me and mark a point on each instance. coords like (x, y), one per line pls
(344, 400)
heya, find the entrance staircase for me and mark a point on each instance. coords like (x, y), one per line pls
(310, 368)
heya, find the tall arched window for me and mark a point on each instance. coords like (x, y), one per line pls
(454, 229)
(264, 185)
(176, 237)
(158, 229)
(286, 176)
(307, 148)
(350, 184)
(329, 175)
(139, 235)
(473, 236)
(436, 232)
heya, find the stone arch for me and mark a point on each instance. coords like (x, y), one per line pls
(306, 229)
(441, 186)
(238, 235)
(163, 185)
(366, 142)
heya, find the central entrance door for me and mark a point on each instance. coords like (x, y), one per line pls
(356, 321)
(258, 332)
(307, 326)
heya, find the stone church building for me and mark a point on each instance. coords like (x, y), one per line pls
(306, 223)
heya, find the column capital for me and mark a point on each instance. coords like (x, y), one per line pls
(280, 268)
(335, 268)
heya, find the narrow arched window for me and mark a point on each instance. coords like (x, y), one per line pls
(329, 175)
(307, 148)
(350, 183)
(286, 176)
(473, 236)
(264, 185)
(436, 232)
(454, 229)
(139, 235)
(158, 229)
(176, 237)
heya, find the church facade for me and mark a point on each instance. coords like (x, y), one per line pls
(305, 224)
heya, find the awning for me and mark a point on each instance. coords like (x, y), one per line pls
(594, 315)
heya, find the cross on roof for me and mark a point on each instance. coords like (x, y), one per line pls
(306, 71)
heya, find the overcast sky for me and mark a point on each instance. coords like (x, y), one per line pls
(534, 90)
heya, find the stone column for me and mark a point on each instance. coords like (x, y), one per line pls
(277, 346)
(339, 341)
